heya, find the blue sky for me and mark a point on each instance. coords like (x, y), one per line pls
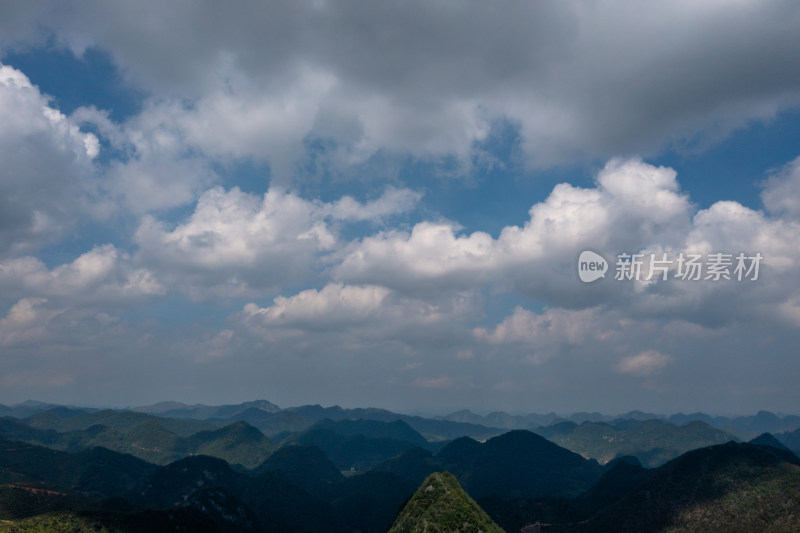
(383, 204)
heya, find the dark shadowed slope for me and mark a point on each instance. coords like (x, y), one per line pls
(729, 487)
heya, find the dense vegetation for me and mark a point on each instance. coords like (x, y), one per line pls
(728, 487)
(441, 505)
(653, 442)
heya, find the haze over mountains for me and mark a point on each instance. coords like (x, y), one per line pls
(255, 467)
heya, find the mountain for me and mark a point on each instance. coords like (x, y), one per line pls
(499, 419)
(431, 429)
(680, 419)
(359, 444)
(100, 521)
(270, 499)
(163, 407)
(767, 439)
(143, 436)
(653, 441)
(517, 464)
(563, 428)
(414, 464)
(373, 429)
(119, 420)
(174, 483)
(727, 487)
(791, 439)
(184, 419)
(237, 443)
(762, 422)
(203, 412)
(91, 472)
(441, 505)
(18, 501)
(15, 429)
(32, 407)
(275, 424)
(369, 502)
(620, 477)
(305, 466)
(743, 427)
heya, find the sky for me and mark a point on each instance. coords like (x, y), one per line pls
(383, 204)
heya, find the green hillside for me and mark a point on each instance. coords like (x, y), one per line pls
(441, 505)
(729, 487)
(144, 436)
(653, 442)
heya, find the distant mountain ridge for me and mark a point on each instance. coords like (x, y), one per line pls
(204, 412)
(272, 419)
(744, 427)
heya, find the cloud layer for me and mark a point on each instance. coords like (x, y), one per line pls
(577, 79)
(263, 220)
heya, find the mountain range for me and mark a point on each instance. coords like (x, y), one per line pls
(166, 467)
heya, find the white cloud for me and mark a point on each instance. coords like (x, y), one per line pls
(644, 363)
(25, 321)
(781, 194)
(154, 166)
(103, 274)
(333, 305)
(366, 311)
(551, 327)
(46, 176)
(235, 243)
(633, 205)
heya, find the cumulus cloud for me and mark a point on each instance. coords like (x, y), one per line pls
(103, 274)
(153, 166)
(235, 242)
(632, 206)
(25, 321)
(359, 312)
(551, 327)
(644, 363)
(46, 177)
(334, 305)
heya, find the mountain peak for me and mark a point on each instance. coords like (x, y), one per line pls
(440, 504)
